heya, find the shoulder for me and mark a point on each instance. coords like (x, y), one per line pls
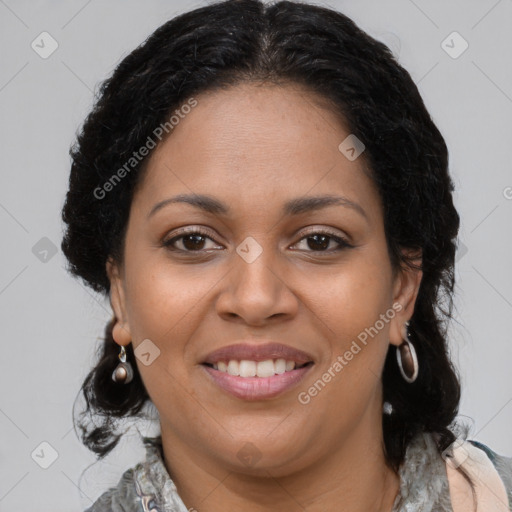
(502, 464)
(121, 498)
(145, 486)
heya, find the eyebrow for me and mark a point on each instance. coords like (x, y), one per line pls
(296, 206)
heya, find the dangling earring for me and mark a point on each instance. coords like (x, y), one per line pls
(123, 374)
(407, 358)
(387, 408)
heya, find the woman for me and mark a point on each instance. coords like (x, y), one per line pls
(265, 199)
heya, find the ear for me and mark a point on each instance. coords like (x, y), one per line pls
(121, 330)
(405, 290)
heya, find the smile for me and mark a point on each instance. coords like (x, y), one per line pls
(257, 370)
(261, 369)
(257, 388)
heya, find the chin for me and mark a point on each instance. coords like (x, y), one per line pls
(266, 454)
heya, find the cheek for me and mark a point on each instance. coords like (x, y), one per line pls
(357, 299)
(352, 296)
(166, 309)
(163, 297)
(167, 306)
(357, 310)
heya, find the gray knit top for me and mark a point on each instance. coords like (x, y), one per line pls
(147, 487)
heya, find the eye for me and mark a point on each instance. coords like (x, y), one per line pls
(194, 240)
(319, 241)
(190, 239)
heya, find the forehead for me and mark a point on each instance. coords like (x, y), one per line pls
(258, 143)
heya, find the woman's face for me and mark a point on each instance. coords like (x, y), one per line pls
(260, 264)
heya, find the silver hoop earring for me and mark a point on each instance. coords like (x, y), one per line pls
(407, 358)
(123, 374)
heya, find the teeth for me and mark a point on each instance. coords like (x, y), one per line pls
(280, 366)
(247, 368)
(234, 368)
(265, 368)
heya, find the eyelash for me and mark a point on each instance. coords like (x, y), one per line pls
(168, 244)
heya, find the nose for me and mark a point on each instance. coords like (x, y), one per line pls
(256, 292)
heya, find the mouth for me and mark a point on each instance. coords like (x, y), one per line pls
(261, 369)
(257, 371)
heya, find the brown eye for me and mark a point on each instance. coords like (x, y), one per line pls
(321, 241)
(193, 242)
(190, 241)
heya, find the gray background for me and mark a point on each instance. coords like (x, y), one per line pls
(50, 322)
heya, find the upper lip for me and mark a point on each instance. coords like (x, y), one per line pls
(257, 351)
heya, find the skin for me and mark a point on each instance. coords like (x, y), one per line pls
(254, 147)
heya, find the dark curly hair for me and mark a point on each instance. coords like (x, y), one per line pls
(227, 43)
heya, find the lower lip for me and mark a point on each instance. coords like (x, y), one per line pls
(257, 388)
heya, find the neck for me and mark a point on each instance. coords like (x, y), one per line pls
(352, 476)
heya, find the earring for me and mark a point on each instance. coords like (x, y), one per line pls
(407, 358)
(123, 374)
(387, 408)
